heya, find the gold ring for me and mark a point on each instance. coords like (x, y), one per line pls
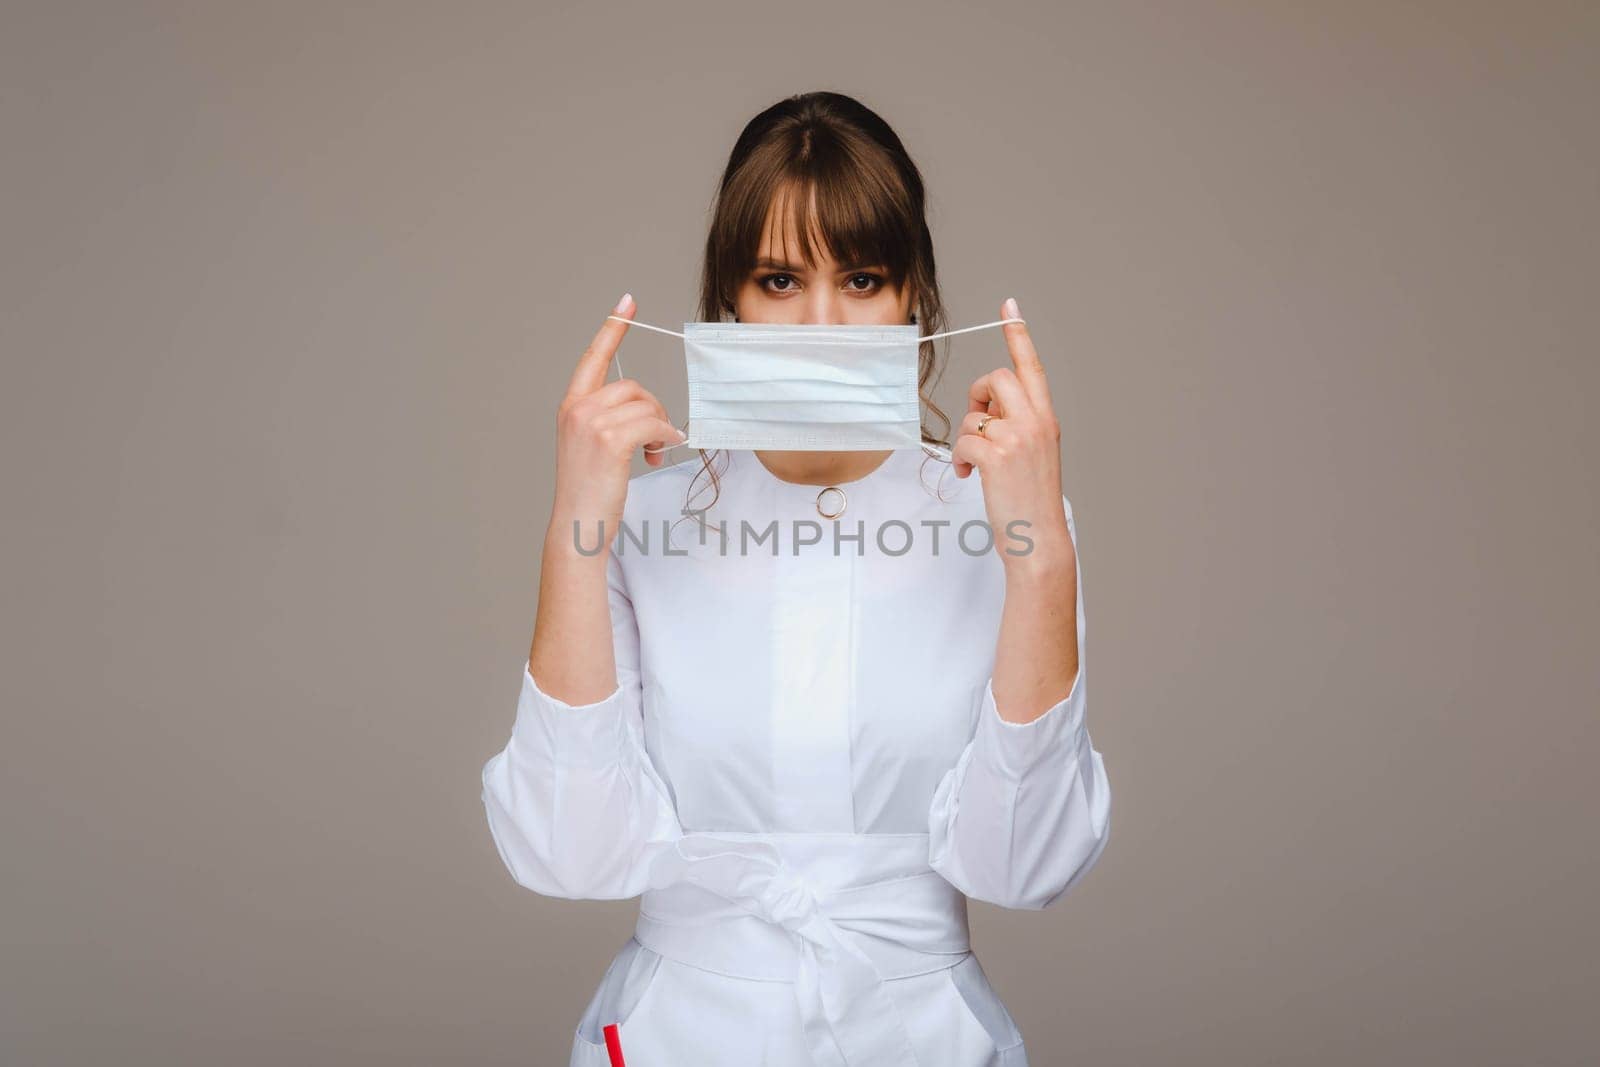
(982, 423)
(842, 502)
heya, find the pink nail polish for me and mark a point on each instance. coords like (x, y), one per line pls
(1011, 308)
(622, 305)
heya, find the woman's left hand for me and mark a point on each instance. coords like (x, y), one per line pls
(1018, 454)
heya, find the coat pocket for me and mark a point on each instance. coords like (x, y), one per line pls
(984, 1009)
(622, 992)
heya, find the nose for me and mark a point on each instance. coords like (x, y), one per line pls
(826, 309)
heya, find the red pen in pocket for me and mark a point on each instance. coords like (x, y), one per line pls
(613, 1045)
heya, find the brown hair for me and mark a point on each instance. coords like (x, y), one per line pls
(869, 208)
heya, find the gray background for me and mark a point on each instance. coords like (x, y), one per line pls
(290, 296)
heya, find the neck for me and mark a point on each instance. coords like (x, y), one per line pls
(821, 468)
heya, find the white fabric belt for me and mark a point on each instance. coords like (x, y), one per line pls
(836, 914)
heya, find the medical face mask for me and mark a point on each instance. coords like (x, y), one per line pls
(764, 385)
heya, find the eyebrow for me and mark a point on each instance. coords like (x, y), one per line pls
(765, 263)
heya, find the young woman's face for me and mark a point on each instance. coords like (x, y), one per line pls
(831, 293)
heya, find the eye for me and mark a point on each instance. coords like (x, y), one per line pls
(874, 283)
(771, 277)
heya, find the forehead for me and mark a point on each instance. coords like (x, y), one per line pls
(780, 232)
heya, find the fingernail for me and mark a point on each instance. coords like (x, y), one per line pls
(682, 436)
(1011, 308)
(624, 304)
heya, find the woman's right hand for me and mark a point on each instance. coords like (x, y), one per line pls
(599, 425)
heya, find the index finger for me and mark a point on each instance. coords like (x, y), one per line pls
(1029, 368)
(595, 363)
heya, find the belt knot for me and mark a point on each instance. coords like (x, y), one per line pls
(832, 909)
(786, 901)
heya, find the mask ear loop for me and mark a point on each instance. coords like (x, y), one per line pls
(937, 449)
(967, 329)
(617, 359)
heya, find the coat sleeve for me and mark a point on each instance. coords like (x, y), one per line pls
(1026, 810)
(574, 802)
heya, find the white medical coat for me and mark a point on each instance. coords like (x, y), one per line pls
(803, 773)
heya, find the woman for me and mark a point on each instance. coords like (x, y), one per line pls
(808, 754)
